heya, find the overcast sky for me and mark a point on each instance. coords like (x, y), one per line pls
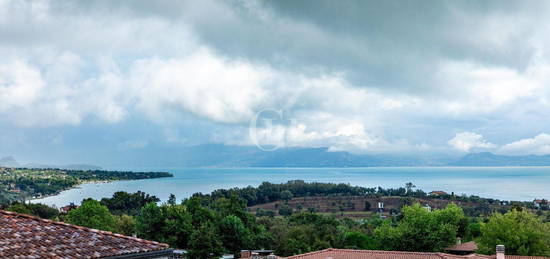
(360, 76)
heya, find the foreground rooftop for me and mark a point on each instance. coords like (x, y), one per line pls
(24, 236)
(332, 253)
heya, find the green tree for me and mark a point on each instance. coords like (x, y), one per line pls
(126, 224)
(93, 215)
(204, 243)
(521, 232)
(43, 210)
(421, 230)
(150, 222)
(286, 195)
(170, 224)
(367, 205)
(171, 199)
(177, 226)
(234, 234)
(285, 210)
(20, 208)
(128, 203)
(358, 240)
(409, 187)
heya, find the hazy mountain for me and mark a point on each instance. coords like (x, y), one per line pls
(8, 161)
(490, 159)
(215, 155)
(239, 156)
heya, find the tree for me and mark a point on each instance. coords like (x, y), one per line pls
(421, 230)
(20, 208)
(126, 224)
(409, 187)
(171, 199)
(170, 224)
(285, 210)
(150, 222)
(521, 232)
(42, 210)
(367, 205)
(204, 243)
(286, 195)
(234, 235)
(177, 226)
(93, 215)
(358, 240)
(128, 203)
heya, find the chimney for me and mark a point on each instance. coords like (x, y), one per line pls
(500, 252)
(458, 240)
(246, 253)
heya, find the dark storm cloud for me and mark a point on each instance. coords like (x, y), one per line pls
(389, 44)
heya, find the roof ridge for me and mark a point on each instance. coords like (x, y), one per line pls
(11, 213)
(381, 251)
(439, 254)
(312, 253)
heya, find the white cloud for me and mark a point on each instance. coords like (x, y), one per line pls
(466, 141)
(65, 66)
(538, 145)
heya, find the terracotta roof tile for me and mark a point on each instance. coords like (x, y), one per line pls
(24, 236)
(468, 246)
(374, 254)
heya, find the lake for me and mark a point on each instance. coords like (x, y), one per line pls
(505, 183)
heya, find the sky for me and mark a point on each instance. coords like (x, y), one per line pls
(81, 77)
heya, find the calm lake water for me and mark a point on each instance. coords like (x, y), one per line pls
(505, 183)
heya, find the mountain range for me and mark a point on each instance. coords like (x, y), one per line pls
(10, 161)
(214, 155)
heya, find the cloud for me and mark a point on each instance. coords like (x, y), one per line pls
(538, 145)
(466, 141)
(380, 79)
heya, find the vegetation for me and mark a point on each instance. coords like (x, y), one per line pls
(93, 215)
(40, 210)
(128, 203)
(210, 225)
(18, 184)
(422, 230)
(208, 228)
(521, 232)
(270, 192)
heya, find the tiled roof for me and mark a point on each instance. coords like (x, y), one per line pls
(373, 254)
(23, 236)
(468, 246)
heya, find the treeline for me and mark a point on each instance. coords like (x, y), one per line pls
(20, 183)
(270, 192)
(44, 186)
(207, 229)
(103, 175)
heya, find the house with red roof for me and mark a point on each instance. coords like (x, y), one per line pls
(332, 253)
(24, 236)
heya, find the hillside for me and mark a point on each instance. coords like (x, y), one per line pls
(356, 206)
